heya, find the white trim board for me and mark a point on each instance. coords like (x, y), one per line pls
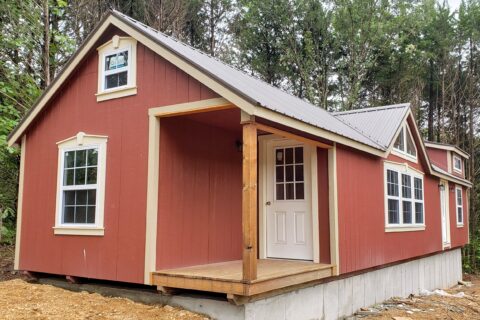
(21, 178)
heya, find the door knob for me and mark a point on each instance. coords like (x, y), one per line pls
(268, 203)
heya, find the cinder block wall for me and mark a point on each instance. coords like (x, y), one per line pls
(340, 298)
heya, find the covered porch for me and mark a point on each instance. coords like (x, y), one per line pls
(257, 272)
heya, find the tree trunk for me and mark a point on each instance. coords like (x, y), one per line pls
(431, 106)
(46, 46)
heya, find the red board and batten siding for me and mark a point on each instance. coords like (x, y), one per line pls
(438, 157)
(363, 242)
(119, 255)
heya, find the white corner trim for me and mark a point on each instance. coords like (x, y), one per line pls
(115, 45)
(79, 231)
(82, 141)
(152, 197)
(21, 178)
(314, 199)
(333, 209)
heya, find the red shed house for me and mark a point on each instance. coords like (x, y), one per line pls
(147, 161)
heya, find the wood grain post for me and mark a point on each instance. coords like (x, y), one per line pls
(249, 201)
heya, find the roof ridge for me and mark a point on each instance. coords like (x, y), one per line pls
(372, 109)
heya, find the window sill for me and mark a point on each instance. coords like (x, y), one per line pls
(404, 155)
(79, 231)
(116, 93)
(405, 229)
(460, 225)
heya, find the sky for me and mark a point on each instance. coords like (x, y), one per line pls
(454, 4)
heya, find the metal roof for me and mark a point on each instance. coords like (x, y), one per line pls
(378, 123)
(451, 176)
(253, 89)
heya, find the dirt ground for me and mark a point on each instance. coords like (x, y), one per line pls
(467, 306)
(23, 300)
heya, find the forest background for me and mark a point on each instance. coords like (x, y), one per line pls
(337, 54)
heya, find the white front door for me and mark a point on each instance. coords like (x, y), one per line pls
(288, 201)
(444, 212)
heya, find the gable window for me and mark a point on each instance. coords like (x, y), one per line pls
(404, 197)
(117, 68)
(81, 185)
(459, 205)
(404, 144)
(457, 164)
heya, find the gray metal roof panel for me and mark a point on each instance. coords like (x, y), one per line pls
(378, 123)
(253, 89)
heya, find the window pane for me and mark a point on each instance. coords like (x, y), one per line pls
(92, 197)
(299, 172)
(418, 184)
(81, 197)
(69, 159)
(407, 212)
(279, 156)
(418, 212)
(459, 197)
(460, 215)
(289, 191)
(399, 143)
(117, 60)
(122, 78)
(393, 214)
(68, 177)
(80, 176)
(92, 157)
(411, 146)
(392, 183)
(288, 173)
(69, 198)
(279, 174)
(69, 215)
(91, 175)
(91, 214)
(81, 158)
(406, 186)
(288, 155)
(299, 191)
(122, 59)
(111, 81)
(81, 214)
(280, 192)
(299, 155)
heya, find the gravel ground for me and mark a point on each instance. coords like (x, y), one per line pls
(465, 306)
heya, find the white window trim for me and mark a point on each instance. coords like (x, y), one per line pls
(455, 157)
(457, 206)
(414, 173)
(403, 153)
(79, 142)
(115, 45)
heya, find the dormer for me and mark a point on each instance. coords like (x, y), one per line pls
(447, 157)
(117, 74)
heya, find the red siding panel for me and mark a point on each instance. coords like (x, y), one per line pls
(199, 210)
(363, 242)
(438, 157)
(119, 255)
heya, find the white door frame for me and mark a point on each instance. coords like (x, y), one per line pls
(262, 194)
(445, 201)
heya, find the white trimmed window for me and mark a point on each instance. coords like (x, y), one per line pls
(457, 164)
(459, 205)
(404, 197)
(81, 185)
(404, 145)
(117, 68)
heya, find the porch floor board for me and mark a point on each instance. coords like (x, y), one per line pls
(226, 277)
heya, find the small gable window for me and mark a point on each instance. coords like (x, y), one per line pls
(457, 164)
(404, 144)
(117, 69)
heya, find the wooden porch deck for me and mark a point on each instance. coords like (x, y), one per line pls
(226, 277)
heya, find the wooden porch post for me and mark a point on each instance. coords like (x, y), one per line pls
(249, 201)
